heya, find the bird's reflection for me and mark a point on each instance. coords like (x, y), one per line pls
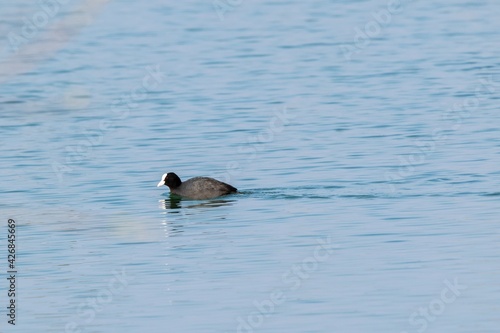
(175, 202)
(176, 205)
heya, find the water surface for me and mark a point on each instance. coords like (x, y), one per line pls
(369, 177)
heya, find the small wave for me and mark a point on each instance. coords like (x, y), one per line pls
(308, 192)
(493, 194)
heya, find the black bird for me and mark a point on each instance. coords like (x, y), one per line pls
(197, 188)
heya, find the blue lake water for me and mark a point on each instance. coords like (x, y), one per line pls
(363, 137)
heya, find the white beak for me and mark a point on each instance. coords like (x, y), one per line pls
(162, 181)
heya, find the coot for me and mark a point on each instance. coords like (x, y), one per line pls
(197, 188)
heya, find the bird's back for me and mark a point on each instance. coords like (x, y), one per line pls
(203, 188)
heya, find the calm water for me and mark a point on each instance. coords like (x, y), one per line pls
(363, 137)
